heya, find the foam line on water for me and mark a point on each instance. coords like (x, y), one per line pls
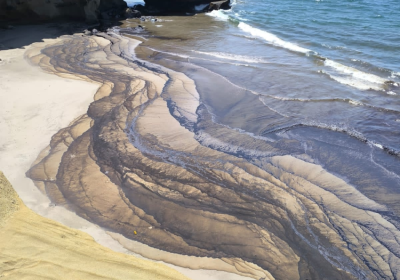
(258, 33)
(235, 57)
(353, 133)
(218, 14)
(272, 39)
(213, 60)
(340, 73)
(353, 77)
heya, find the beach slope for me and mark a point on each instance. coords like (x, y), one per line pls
(33, 247)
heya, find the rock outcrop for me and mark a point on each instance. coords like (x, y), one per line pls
(225, 4)
(182, 6)
(34, 10)
(93, 10)
(131, 13)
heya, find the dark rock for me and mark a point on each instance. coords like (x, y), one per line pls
(225, 4)
(106, 15)
(140, 8)
(113, 13)
(39, 10)
(181, 6)
(130, 13)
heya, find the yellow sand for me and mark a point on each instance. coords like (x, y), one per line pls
(33, 247)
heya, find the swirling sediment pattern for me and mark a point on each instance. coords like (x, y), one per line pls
(149, 156)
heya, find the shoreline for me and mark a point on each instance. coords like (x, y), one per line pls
(163, 156)
(56, 111)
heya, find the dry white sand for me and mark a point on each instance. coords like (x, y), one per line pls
(34, 105)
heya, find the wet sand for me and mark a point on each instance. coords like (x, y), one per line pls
(163, 151)
(34, 110)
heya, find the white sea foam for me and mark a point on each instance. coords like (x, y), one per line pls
(218, 14)
(356, 103)
(209, 141)
(354, 77)
(377, 145)
(339, 128)
(171, 53)
(235, 57)
(391, 93)
(352, 102)
(237, 16)
(272, 39)
(341, 73)
(352, 132)
(395, 75)
(192, 57)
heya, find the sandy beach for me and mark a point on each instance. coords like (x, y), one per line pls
(36, 105)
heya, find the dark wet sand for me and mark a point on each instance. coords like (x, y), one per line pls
(162, 151)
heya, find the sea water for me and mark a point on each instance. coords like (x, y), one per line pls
(363, 34)
(322, 74)
(353, 43)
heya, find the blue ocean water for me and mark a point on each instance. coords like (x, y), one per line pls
(132, 3)
(351, 29)
(333, 64)
(330, 64)
(361, 34)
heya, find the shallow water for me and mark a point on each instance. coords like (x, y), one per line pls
(361, 33)
(269, 94)
(286, 83)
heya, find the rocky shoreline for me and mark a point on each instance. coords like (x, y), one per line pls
(93, 11)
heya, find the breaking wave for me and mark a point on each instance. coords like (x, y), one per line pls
(235, 57)
(339, 72)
